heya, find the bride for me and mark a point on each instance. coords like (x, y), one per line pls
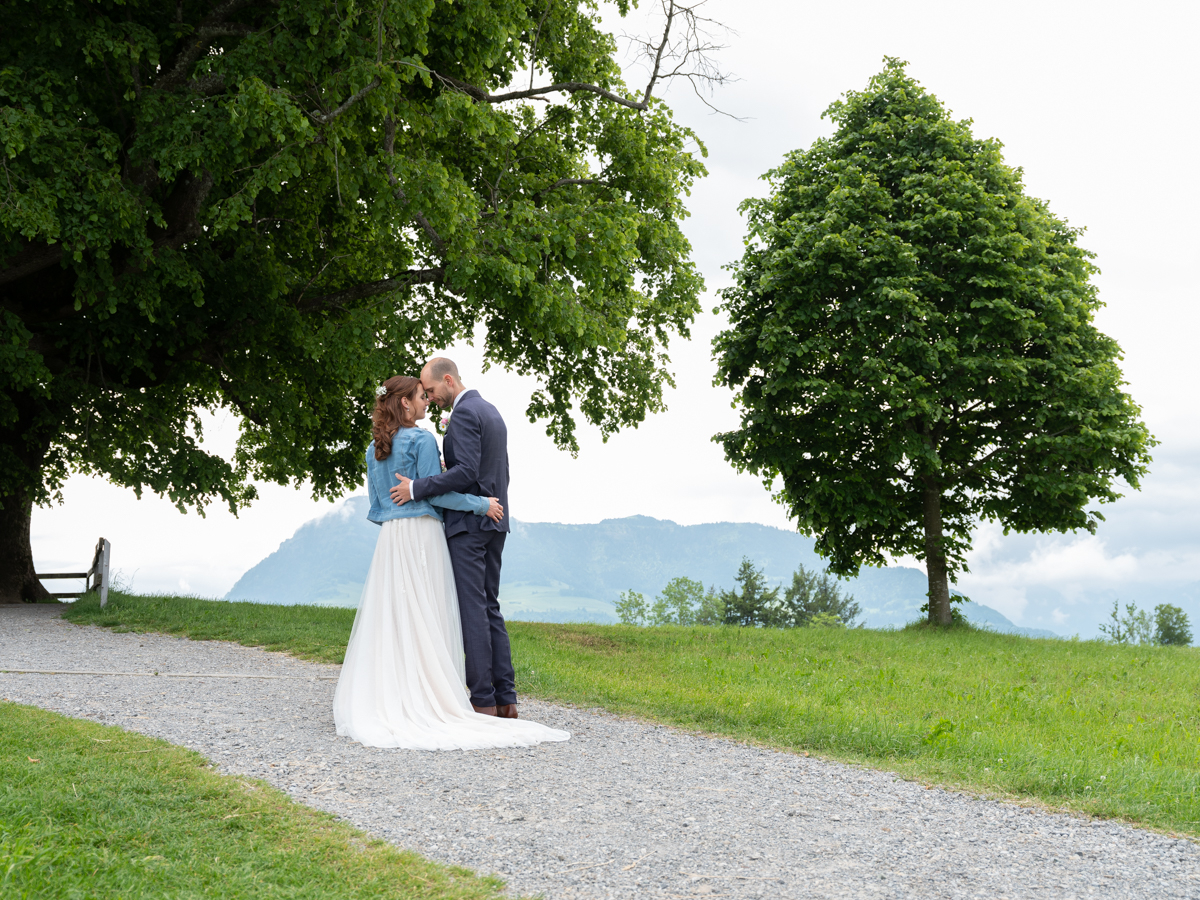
(403, 683)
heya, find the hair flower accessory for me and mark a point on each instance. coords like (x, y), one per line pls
(381, 390)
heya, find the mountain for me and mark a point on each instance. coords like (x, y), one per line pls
(325, 562)
(574, 573)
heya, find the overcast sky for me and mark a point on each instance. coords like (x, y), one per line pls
(1095, 102)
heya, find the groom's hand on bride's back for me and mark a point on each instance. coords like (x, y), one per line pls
(402, 492)
(495, 510)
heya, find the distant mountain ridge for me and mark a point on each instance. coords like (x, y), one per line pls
(556, 572)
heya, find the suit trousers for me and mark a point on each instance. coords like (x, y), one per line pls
(476, 560)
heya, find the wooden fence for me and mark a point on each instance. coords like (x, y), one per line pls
(95, 578)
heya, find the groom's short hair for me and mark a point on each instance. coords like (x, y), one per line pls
(440, 367)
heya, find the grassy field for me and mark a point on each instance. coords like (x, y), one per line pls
(89, 810)
(1111, 731)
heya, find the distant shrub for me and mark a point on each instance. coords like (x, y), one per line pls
(812, 599)
(1167, 625)
(751, 604)
(825, 620)
(712, 608)
(682, 602)
(679, 603)
(632, 608)
(1171, 625)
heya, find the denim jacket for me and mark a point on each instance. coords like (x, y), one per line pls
(415, 455)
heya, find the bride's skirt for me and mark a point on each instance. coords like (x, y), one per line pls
(403, 683)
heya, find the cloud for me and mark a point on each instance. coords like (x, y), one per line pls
(1068, 565)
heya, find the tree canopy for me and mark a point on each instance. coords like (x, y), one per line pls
(912, 345)
(269, 206)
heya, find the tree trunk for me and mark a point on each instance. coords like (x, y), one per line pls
(935, 555)
(24, 442)
(17, 584)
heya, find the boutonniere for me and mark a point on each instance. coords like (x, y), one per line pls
(442, 423)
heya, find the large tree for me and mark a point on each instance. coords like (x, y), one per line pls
(912, 345)
(271, 205)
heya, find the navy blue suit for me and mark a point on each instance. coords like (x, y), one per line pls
(476, 452)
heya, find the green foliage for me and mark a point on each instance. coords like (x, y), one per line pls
(89, 810)
(750, 604)
(711, 610)
(1171, 626)
(632, 609)
(814, 599)
(912, 343)
(1168, 625)
(270, 207)
(1135, 627)
(825, 620)
(810, 600)
(682, 602)
(939, 733)
(679, 603)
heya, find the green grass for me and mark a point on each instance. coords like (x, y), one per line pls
(1082, 725)
(317, 633)
(91, 811)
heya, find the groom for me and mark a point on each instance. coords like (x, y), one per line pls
(476, 453)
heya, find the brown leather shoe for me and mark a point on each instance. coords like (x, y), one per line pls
(507, 711)
(484, 710)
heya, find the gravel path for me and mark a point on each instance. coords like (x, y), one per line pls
(624, 809)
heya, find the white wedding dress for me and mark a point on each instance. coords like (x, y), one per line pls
(403, 683)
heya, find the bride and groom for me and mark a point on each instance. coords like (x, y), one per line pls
(428, 665)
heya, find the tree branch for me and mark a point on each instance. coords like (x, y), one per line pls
(182, 211)
(974, 467)
(211, 27)
(689, 56)
(204, 35)
(658, 55)
(227, 390)
(354, 98)
(537, 36)
(372, 288)
(389, 144)
(570, 87)
(32, 259)
(565, 181)
(208, 84)
(692, 54)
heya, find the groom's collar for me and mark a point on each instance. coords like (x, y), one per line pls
(463, 396)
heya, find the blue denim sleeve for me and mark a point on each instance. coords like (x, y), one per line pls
(468, 438)
(428, 464)
(372, 494)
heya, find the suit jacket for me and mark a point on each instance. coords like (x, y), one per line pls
(476, 452)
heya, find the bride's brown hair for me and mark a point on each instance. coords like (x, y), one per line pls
(389, 415)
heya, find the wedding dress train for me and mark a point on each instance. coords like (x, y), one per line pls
(403, 683)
